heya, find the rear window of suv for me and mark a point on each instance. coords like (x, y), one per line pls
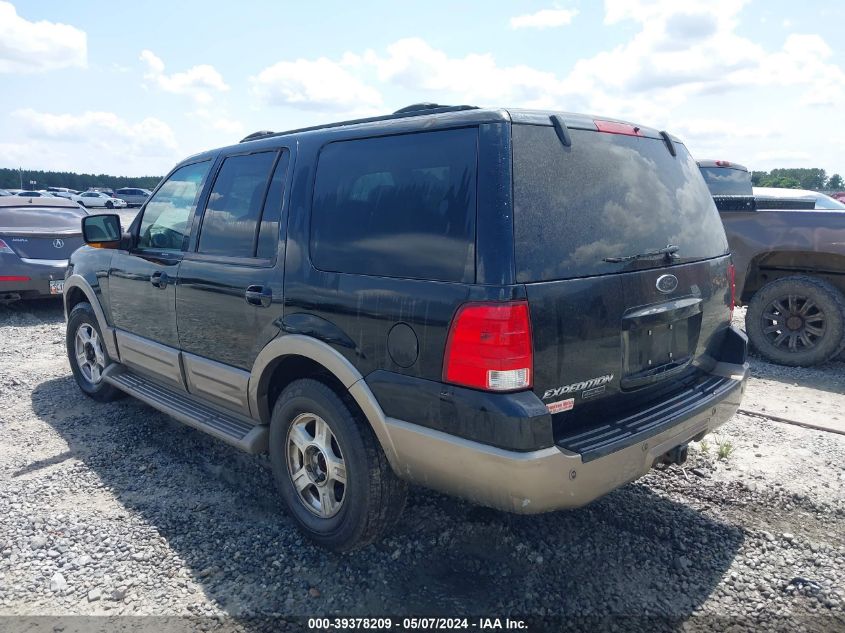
(725, 181)
(398, 206)
(606, 195)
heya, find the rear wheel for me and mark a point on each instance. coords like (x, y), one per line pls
(798, 320)
(88, 355)
(330, 468)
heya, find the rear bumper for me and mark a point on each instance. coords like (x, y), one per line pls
(552, 478)
(39, 272)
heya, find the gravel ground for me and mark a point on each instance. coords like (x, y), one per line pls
(115, 509)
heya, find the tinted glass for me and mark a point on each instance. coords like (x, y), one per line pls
(268, 232)
(234, 205)
(398, 206)
(168, 214)
(607, 195)
(724, 181)
(826, 202)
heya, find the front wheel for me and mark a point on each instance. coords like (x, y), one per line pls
(87, 354)
(797, 320)
(330, 468)
(109, 205)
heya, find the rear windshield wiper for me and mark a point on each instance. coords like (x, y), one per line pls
(668, 252)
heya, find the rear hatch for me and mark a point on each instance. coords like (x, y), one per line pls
(615, 336)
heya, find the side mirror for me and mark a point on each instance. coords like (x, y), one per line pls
(101, 230)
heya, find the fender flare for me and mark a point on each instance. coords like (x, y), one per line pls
(78, 281)
(333, 361)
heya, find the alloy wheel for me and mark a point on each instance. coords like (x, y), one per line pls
(90, 357)
(315, 465)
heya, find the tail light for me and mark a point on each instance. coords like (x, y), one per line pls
(13, 278)
(5, 248)
(489, 347)
(732, 286)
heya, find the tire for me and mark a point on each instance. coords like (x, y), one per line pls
(109, 205)
(372, 498)
(785, 340)
(81, 318)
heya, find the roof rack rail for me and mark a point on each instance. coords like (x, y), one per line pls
(255, 135)
(416, 109)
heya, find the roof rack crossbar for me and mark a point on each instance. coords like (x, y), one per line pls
(403, 113)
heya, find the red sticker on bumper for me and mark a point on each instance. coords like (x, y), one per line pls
(561, 405)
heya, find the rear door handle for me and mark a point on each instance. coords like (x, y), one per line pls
(159, 279)
(259, 296)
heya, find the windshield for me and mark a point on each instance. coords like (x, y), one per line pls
(724, 181)
(607, 196)
(826, 202)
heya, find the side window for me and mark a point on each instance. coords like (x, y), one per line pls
(167, 215)
(268, 231)
(398, 206)
(231, 219)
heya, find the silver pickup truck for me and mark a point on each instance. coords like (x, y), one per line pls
(788, 247)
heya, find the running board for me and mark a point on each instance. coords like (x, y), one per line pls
(229, 427)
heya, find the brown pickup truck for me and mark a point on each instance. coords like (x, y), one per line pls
(790, 266)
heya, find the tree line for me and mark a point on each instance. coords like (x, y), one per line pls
(803, 178)
(797, 178)
(16, 179)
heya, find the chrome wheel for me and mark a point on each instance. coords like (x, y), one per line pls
(793, 322)
(89, 353)
(315, 465)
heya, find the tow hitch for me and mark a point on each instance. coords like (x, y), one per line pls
(677, 455)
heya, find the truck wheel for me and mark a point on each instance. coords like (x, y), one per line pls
(87, 353)
(330, 468)
(798, 321)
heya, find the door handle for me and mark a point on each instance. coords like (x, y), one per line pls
(159, 279)
(259, 296)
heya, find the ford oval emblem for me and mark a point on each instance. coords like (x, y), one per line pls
(58, 243)
(667, 283)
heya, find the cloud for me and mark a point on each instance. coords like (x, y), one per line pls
(198, 82)
(320, 85)
(30, 47)
(414, 64)
(546, 18)
(92, 141)
(220, 120)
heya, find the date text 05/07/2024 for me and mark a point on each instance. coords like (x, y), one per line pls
(416, 624)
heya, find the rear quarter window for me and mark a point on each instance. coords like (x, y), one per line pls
(398, 206)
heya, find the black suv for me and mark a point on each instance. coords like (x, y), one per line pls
(526, 309)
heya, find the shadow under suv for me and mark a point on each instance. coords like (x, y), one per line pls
(525, 309)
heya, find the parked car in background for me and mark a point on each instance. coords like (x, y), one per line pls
(69, 195)
(61, 190)
(789, 256)
(36, 240)
(795, 199)
(100, 199)
(839, 195)
(134, 197)
(35, 194)
(487, 341)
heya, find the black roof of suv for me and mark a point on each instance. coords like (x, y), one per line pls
(519, 307)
